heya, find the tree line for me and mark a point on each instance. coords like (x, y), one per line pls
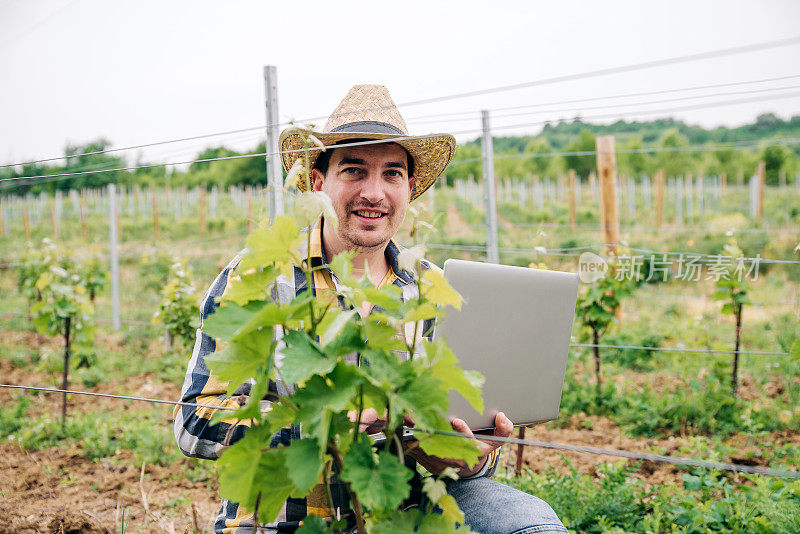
(515, 156)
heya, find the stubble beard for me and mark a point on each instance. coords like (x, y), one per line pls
(357, 238)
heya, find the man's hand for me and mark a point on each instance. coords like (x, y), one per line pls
(503, 427)
(370, 422)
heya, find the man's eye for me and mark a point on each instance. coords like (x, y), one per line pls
(394, 173)
(351, 170)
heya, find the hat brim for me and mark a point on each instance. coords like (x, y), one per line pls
(431, 153)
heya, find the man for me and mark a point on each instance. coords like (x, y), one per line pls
(370, 186)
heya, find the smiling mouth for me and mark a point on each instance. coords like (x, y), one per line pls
(369, 214)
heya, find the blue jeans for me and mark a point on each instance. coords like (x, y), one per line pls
(491, 507)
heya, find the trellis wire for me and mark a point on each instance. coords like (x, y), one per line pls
(609, 97)
(611, 106)
(411, 119)
(709, 258)
(577, 345)
(66, 175)
(675, 460)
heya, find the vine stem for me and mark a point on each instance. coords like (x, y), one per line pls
(255, 514)
(328, 489)
(357, 510)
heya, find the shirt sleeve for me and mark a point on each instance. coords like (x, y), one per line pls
(195, 434)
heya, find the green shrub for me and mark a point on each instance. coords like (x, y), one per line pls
(637, 359)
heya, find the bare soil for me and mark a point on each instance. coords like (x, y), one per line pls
(58, 491)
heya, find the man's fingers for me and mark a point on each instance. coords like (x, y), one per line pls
(459, 425)
(503, 426)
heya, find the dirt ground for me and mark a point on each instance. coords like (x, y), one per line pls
(59, 491)
(56, 490)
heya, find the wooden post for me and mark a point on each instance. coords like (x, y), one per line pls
(54, 217)
(520, 449)
(25, 219)
(2, 221)
(155, 214)
(136, 201)
(202, 203)
(607, 171)
(689, 192)
(572, 218)
(82, 209)
(659, 197)
(761, 184)
(723, 183)
(593, 185)
(249, 208)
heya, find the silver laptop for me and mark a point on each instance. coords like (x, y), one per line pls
(514, 327)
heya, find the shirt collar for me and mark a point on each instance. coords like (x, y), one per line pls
(317, 257)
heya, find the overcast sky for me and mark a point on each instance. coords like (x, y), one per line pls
(145, 71)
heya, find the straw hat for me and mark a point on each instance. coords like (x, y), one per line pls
(368, 112)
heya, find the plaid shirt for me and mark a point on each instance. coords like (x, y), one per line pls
(197, 437)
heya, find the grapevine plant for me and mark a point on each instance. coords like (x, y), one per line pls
(597, 309)
(732, 288)
(315, 334)
(178, 309)
(60, 304)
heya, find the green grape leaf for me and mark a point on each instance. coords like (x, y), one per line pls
(342, 266)
(440, 524)
(280, 415)
(247, 469)
(450, 509)
(270, 314)
(252, 409)
(382, 337)
(396, 522)
(444, 365)
(383, 371)
(331, 393)
(228, 319)
(381, 485)
(304, 462)
(420, 312)
(438, 290)
(241, 360)
(455, 447)
(434, 488)
(387, 297)
(313, 524)
(273, 244)
(423, 395)
(251, 286)
(303, 358)
(320, 397)
(349, 340)
(340, 319)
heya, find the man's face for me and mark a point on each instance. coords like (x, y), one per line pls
(370, 190)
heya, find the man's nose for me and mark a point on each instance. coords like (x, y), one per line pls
(372, 188)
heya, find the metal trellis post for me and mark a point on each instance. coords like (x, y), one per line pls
(113, 255)
(274, 170)
(492, 253)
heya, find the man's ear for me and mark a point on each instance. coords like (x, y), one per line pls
(411, 181)
(316, 179)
